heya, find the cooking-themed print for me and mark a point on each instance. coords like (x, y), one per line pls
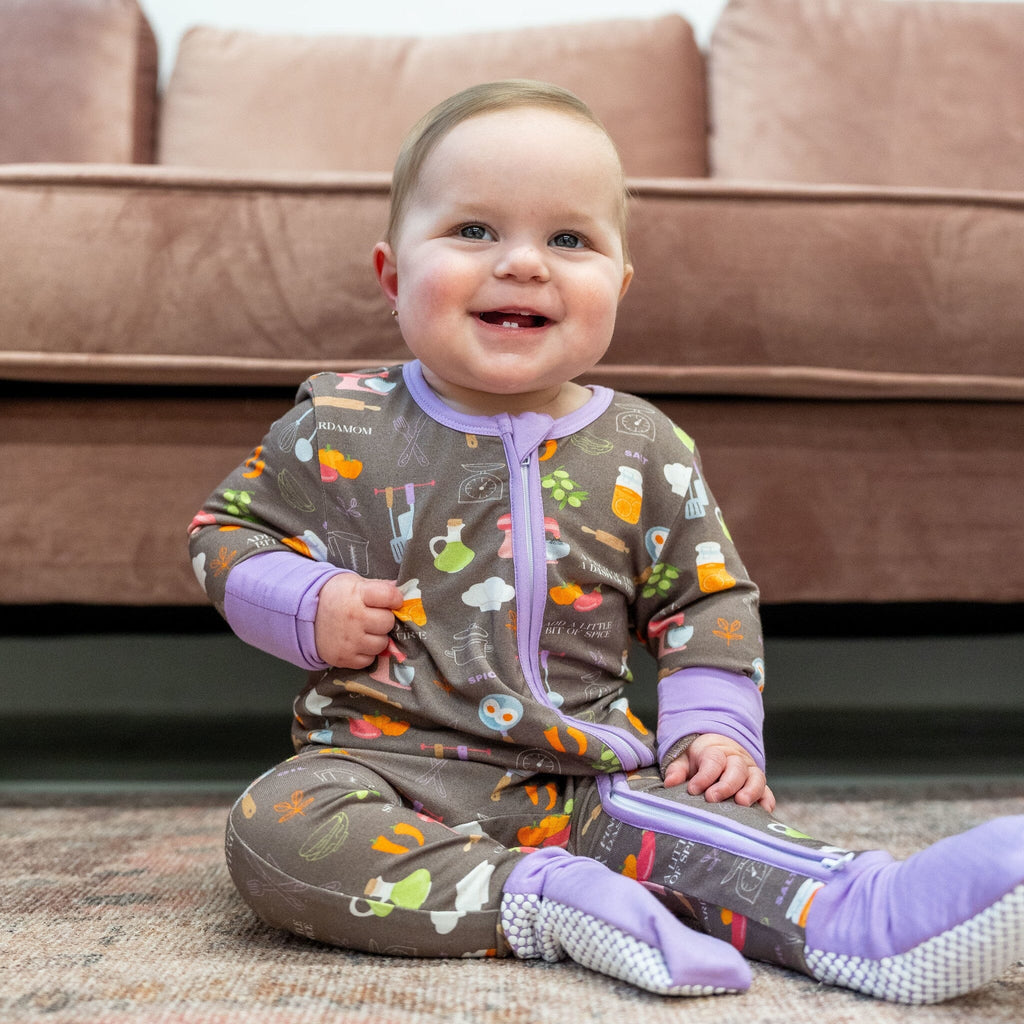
(528, 552)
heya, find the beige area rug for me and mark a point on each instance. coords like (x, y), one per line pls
(122, 911)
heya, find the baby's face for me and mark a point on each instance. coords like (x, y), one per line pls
(508, 266)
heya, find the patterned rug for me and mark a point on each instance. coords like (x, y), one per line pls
(120, 910)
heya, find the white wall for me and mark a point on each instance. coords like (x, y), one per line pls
(401, 17)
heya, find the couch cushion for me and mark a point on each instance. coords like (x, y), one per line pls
(162, 275)
(77, 81)
(822, 292)
(869, 92)
(242, 100)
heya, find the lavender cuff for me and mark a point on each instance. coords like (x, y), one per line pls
(271, 601)
(696, 700)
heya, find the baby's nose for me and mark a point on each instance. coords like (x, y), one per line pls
(523, 262)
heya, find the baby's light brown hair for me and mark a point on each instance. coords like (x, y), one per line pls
(487, 98)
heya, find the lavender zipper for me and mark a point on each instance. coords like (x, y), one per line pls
(642, 810)
(629, 753)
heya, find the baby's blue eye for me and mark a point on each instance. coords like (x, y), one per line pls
(475, 232)
(567, 240)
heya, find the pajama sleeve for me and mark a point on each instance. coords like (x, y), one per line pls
(698, 700)
(256, 547)
(271, 600)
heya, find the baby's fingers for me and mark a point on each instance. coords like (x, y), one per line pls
(381, 594)
(710, 767)
(755, 791)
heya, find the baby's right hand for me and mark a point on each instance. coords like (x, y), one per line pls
(353, 619)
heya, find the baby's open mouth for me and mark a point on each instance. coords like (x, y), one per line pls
(510, 318)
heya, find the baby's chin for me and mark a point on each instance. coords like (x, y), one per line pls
(511, 388)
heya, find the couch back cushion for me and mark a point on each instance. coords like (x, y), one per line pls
(77, 82)
(249, 101)
(877, 92)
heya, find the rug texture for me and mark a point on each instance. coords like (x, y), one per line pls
(122, 911)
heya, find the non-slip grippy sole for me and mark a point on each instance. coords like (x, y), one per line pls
(565, 931)
(951, 964)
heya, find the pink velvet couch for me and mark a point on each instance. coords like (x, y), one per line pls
(828, 235)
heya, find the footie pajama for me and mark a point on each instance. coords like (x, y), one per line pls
(484, 787)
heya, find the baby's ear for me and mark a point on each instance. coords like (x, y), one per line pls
(627, 276)
(386, 269)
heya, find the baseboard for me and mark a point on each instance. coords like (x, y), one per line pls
(819, 744)
(894, 741)
(832, 620)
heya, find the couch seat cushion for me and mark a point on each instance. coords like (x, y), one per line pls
(165, 276)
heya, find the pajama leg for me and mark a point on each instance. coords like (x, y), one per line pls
(734, 873)
(935, 926)
(324, 847)
(327, 848)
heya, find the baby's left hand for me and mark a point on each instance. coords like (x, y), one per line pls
(720, 768)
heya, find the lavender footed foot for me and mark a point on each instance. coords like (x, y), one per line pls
(937, 925)
(557, 905)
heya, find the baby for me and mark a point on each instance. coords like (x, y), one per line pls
(459, 550)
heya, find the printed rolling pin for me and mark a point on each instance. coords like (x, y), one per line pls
(608, 538)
